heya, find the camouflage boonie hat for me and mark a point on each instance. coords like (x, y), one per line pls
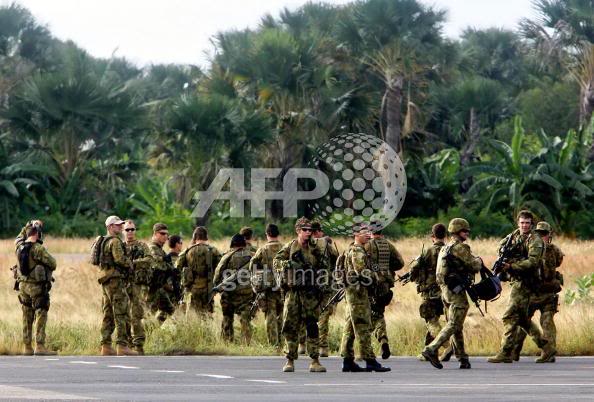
(316, 226)
(543, 227)
(302, 222)
(159, 226)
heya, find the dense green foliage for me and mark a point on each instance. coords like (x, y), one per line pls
(493, 122)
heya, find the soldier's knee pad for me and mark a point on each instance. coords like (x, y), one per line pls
(311, 328)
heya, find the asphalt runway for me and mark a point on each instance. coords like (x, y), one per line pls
(260, 378)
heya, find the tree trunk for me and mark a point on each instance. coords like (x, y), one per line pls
(586, 109)
(394, 113)
(468, 150)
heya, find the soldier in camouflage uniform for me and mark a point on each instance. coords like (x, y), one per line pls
(162, 275)
(359, 279)
(237, 295)
(455, 264)
(175, 244)
(34, 283)
(263, 280)
(525, 270)
(300, 262)
(546, 299)
(137, 287)
(247, 233)
(115, 267)
(423, 273)
(385, 260)
(197, 264)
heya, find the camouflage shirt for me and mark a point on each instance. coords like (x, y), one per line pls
(235, 262)
(261, 266)
(197, 264)
(456, 258)
(38, 257)
(140, 255)
(114, 260)
(423, 270)
(553, 258)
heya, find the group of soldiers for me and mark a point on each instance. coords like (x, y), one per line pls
(297, 286)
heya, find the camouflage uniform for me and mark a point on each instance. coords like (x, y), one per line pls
(34, 291)
(161, 287)
(545, 299)
(454, 258)
(357, 322)
(114, 267)
(422, 272)
(528, 258)
(385, 260)
(238, 297)
(302, 304)
(197, 264)
(137, 289)
(271, 303)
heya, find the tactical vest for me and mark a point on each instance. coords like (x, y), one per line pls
(107, 261)
(142, 274)
(428, 265)
(380, 257)
(239, 262)
(302, 278)
(263, 276)
(29, 269)
(199, 269)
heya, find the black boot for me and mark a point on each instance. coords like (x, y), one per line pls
(433, 359)
(373, 365)
(447, 354)
(464, 363)
(386, 351)
(349, 366)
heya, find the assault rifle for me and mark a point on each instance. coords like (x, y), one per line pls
(335, 299)
(404, 279)
(256, 303)
(504, 254)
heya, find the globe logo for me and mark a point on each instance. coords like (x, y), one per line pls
(367, 184)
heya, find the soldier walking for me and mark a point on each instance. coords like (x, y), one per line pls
(162, 278)
(359, 279)
(455, 266)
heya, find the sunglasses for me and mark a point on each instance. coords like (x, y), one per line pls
(306, 230)
(130, 230)
(164, 233)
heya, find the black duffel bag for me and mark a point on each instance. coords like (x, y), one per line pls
(489, 288)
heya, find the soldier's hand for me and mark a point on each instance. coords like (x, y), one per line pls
(506, 266)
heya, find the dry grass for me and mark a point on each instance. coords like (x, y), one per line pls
(75, 313)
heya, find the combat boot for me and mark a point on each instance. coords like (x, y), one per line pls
(27, 350)
(373, 365)
(547, 355)
(500, 357)
(464, 363)
(316, 367)
(432, 358)
(515, 355)
(107, 350)
(123, 350)
(301, 349)
(289, 366)
(139, 350)
(323, 352)
(386, 351)
(349, 366)
(41, 350)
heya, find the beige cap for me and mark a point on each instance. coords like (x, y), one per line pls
(113, 220)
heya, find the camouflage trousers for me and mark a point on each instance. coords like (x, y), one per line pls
(302, 307)
(35, 303)
(323, 322)
(238, 302)
(161, 304)
(135, 326)
(357, 324)
(457, 308)
(115, 311)
(197, 300)
(516, 318)
(272, 307)
(430, 310)
(547, 304)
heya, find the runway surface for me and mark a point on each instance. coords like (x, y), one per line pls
(261, 378)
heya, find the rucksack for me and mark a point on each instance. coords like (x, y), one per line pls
(97, 250)
(23, 258)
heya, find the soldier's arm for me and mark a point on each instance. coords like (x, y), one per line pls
(119, 254)
(396, 260)
(21, 237)
(471, 262)
(218, 274)
(560, 256)
(281, 259)
(181, 261)
(146, 260)
(535, 251)
(256, 260)
(41, 255)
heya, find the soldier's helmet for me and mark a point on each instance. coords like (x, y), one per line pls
(543, 227)
(457, 225)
